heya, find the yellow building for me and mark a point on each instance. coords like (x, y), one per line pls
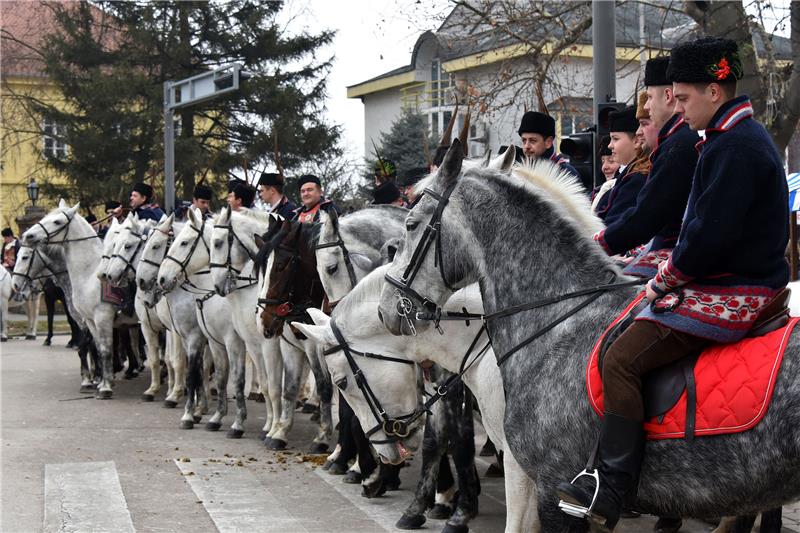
(25, 140)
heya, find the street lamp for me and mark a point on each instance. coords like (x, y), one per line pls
(33, 191)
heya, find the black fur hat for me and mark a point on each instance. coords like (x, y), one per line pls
(604, 149)
(272, 179)
(246, 193)
(143, 189)
(232, 183)
(655, 72)
(386, 193)
(410, 177)
(112, 204)
(708, 60)
(202, 192)
(7, 232)
(623, 120)
(535, 122)
(308, 178)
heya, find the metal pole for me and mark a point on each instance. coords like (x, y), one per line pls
(604, 63)
(169, 151)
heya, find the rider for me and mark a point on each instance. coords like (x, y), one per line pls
(10, 248)
(142, 203)
(312, 199)
(538, 132)
(609, 168)
(727, 266)
(271, 193)
(632, 171)
(662, 201)
(242, 195)
(408, 179)
(387, 194)
(201, 199)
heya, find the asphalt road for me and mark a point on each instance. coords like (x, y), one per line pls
(73, 463)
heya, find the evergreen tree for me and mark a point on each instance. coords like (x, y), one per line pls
(110, 60)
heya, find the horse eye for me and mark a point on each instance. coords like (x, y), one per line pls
(156, 246)
(57, 222)
(332, 269)
(217, 245)
(128, 246)
(184, 243)
(342, 383)
(411, 225)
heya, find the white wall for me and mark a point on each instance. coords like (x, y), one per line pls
(380, 111)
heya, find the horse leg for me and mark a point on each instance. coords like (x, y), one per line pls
(294, 361)
(3, 318)
(772, 521)
(103, 340)
(86, 373)
(270, 375)
(116, 351)
(371, 483)
(50, 304)
(521, 502)
(179, 361)
(238, 374)
(432, 455)
(255, 394)
(32, 307)
(346, 443)
(152, 346)
(462, 445)
(208, 364)
(322, 380)
(129, 348)
(221, 371)
(169, 355)
(194, 385)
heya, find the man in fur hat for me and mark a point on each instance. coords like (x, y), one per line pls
(242, 196)
(726, 267)
(201, 199)
(656, 219)
(408, 179)
(388, 194)
(538, 133)
(142, 202)
(312, 199)
(270, 190)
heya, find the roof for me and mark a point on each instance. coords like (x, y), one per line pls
(460, 36)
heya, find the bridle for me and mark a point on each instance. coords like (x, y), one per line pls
(395, 428)
(198, 239)
(141, 240)
(339, 242)
(63, 228)
(432, 236)
(29, 280)
(233, 274)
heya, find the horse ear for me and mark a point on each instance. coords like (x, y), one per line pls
(509, 156)
(259, 240)
(451, 166)
(62, 204)
(321, 335)
(318, 317)
(130, 216)
(166, 223)
(74, 208)
(193, 217)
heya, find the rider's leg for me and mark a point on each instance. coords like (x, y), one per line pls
(643, 347)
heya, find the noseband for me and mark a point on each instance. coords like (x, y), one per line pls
(395, 428)
(200, 238)
(141, 240)
(234, 274)
(29, 280)
(432, 236)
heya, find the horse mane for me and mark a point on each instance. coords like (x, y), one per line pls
(562, 187)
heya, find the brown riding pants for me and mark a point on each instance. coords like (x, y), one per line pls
(643, 347)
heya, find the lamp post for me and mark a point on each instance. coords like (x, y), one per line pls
(33, 191)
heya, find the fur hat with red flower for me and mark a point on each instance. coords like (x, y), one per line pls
(707, 60)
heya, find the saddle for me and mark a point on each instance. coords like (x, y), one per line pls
(663, 388)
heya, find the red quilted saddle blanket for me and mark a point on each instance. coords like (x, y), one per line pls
(111, 294)
(734, 384)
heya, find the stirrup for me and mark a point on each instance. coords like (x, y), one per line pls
(579, 511)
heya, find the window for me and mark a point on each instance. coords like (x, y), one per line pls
(439, 95)
(54, 145)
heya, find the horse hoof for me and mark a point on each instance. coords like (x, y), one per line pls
(440, 512)
(46, 342)
(187, 424)
(494, 471)
(87, 389)
(453, 528)
(213, 426)
(352, 477)
(414, 521)
(197, 418)
(668, 525)
(260, 398)
(262, 436)
(170, 404)
(253, 396)
(148, 397)
(130, 375)
(372, 490)
(276, 444)
(337, 469)
(103, 395)
(318, 447)
(327, 465)
(314, 417)
(308, 408)
(30, 337)
(4, 339)
(235, 433)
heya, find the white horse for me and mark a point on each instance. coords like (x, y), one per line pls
(8, 299)
(82, 248)
(183, 277)
(356, 317)
(233, 252)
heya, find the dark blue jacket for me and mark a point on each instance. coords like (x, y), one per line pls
(621, 197)
(560, 160)
(149, 212)
(286, 208)
(729, 261)
(658, 211)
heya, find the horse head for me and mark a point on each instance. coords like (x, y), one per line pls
(429, 263)
(153, 254)
(28, 272)
(389, 383)
(188, 254)
(127, 251)
(290, 284)
(109, 241)
(56, 227)
(234, 248)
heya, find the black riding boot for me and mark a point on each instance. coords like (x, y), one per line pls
(619, 460)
